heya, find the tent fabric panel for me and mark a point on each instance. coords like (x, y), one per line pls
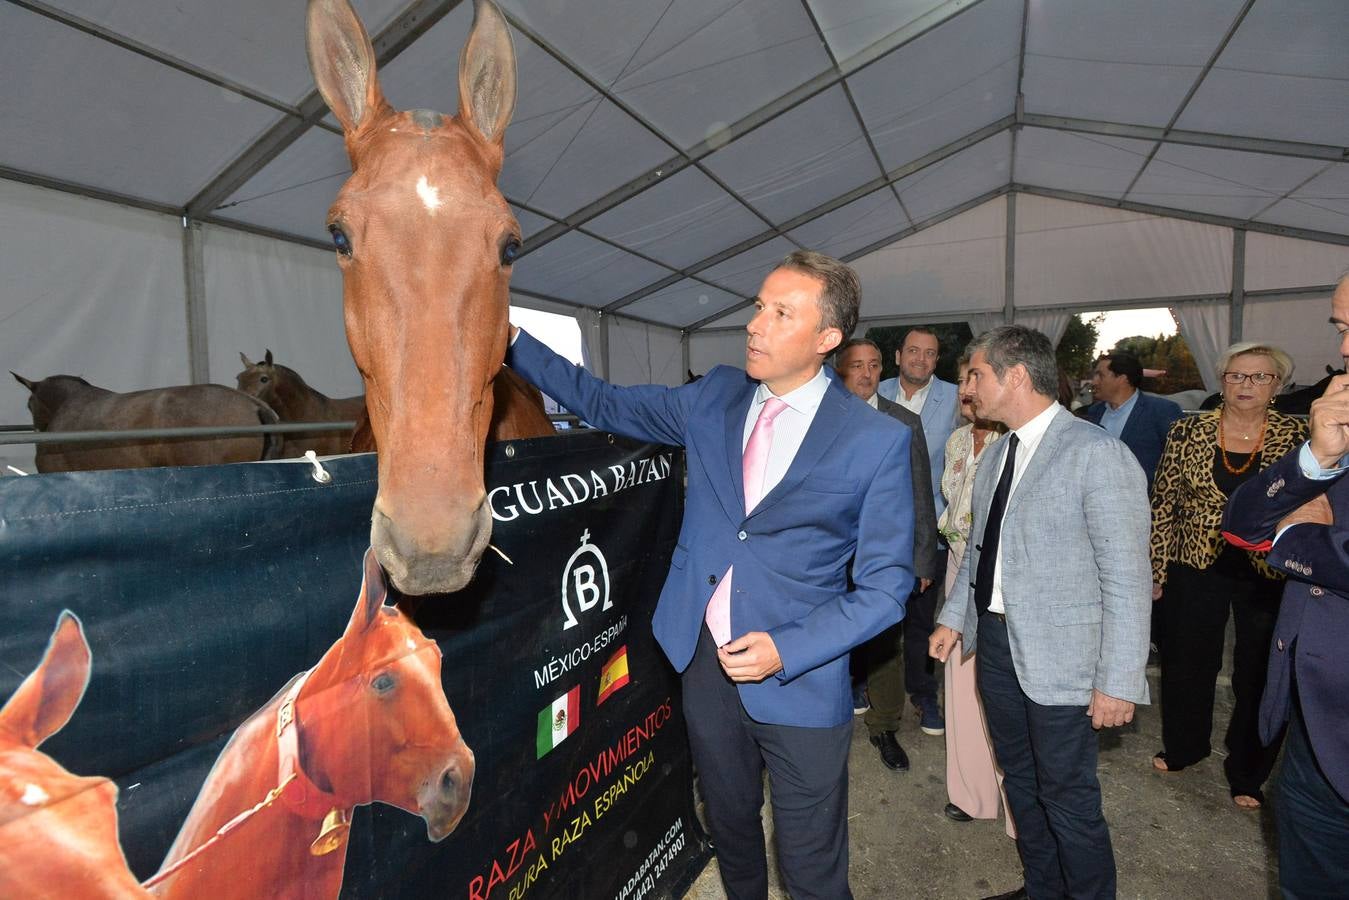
(293, 192)
(263, 294)
(1068, 253)
(530, 224)
(1119, 62)
(92, 289)
(953, 266)
(736, 320)
(709, 63)
(1283, 75)
(963, 176)
(644, 354)
(683, 303)
(861, 222)
(1222, 182)
(1321, 204)
(112, 119)
(919, 98)
(1274, 262)
(743, 274)
(581, 269)
(680, 221)
(801, 159)
(1087, 163)
(851, 26)
(259, 44)
(708, 349)
(1298, 326)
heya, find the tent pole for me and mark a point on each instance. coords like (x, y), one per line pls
(1238, 284)
(1009, 281)
(687, 361)
(604, 345)
(194, 278)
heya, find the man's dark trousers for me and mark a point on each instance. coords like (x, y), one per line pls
(1314, 857)
(808, 779)
(1048, 758)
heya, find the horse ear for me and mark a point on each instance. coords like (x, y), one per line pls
(373, 594)
(23, 381)
(248, 363)
(268, 358)
(487, 74)
(47, 698)
(343, 63)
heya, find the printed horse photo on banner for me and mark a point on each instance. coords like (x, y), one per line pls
(425, 242)
(368, 723)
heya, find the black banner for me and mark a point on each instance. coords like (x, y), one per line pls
(203, 593)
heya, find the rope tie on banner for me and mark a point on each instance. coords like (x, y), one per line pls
(320, 474)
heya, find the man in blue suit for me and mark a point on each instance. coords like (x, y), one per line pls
(1140, 420)
(790, 478)
(1298, 509)
(922, 393)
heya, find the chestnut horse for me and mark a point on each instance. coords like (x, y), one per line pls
(58, 831)
(425, 242)
(282, 388)
(68, 403)
(369, 723)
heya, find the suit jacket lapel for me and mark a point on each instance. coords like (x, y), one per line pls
(732, 492)
(824, 430)
(1043, 458)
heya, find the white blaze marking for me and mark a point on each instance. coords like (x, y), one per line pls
(430, 196)
(33, 796)
(412, 645)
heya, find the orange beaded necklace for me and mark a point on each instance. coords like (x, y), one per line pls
(1222, 447)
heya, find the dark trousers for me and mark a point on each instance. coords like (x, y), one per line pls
(1313, 823)
(1194, 608)
(1048, 758)
(808, 780)
(919, 674)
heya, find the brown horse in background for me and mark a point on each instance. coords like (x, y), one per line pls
(369, 723)
(425, 242)
(67, 403)
(293, 400)
(58, 830)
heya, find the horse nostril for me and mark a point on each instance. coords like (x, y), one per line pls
(448, 783)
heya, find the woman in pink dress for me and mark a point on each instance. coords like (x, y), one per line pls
(973, 782)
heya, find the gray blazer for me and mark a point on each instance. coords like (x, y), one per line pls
(1076, 583)
(924, 509)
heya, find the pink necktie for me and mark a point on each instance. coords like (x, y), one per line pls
(753, 466)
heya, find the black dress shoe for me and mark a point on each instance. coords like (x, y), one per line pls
(956, 814)
(892, 754)
(1018, 894)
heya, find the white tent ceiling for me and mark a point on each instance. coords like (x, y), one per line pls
(665, 152)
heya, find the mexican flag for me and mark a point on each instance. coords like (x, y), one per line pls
(558, 720)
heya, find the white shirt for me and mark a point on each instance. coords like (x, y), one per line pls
(790, 426)
(871, 401)
(1028, 438)
(915, 403)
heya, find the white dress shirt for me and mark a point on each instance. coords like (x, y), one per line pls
(789, 428)
(1028, 438)
(915, 403)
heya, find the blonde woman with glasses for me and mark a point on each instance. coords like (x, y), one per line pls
(1198, 577)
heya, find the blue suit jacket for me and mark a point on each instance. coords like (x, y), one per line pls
(941, 416)
(1146, 428)
(847, 496)
(1312, 630)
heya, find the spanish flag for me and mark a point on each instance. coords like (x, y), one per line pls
(614, 675)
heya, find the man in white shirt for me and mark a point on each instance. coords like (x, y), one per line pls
(1057, 590)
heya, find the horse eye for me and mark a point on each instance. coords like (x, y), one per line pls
(383, 683)
(340, 239)
(510, 251)
(263, 380)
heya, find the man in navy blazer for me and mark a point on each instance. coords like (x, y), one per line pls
(835, 490)
(1140, 420)
(1298, 509)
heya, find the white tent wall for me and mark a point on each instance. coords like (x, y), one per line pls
(262, 293)
(1298, 326)
(644, 354)
(1275, 263)
(89, 288)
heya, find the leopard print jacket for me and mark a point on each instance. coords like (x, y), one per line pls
(1187, 507)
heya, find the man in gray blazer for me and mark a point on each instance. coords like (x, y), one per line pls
(858, 363)
(1056, 592)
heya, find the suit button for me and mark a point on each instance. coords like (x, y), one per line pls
(1317, 592)
(711, 579)
(1279, 644)
(742, 535)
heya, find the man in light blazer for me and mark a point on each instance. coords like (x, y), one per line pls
(884, 658)
(920, 391)
(1140, 420)
(756, 612)
(1055, 592)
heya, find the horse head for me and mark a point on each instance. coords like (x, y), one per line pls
(60, 829)
(45, 397)
(425, 242)
(258, 379)
(375, 724)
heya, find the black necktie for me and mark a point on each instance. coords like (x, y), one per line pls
(988, 550)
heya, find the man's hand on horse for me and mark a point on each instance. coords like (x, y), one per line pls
(751, 657)
(1329, 419)
(1109, 712)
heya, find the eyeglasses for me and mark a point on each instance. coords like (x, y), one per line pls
(1260, 378)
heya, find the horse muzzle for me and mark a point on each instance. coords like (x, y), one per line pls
(423, 560)
(444, 800)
